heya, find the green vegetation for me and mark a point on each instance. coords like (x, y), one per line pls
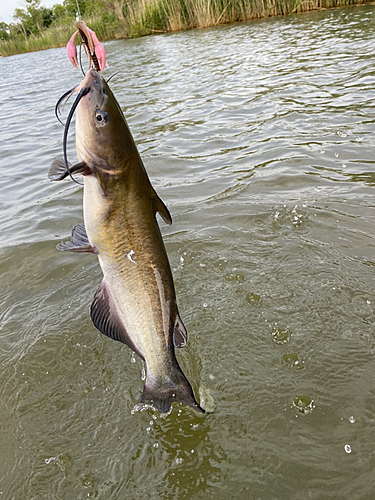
(36, 27)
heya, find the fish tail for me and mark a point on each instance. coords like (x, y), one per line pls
(161, 393)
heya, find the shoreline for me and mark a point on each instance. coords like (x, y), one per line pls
(58, 36)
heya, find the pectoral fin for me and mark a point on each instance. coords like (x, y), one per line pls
(179, 333)
(160, 207)
(58, 171)
(106, 319)
(78, 243)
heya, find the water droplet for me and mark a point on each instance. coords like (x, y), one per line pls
(304, 404)
(351, 420)
(192, 451)
(132, 359)
(143, 374)
(348, 448)
(336, 155)
(204, 305)
(179, 461)
(280, 336)
(341, 134)
(359, 139)
(156, 445)
(343, 165)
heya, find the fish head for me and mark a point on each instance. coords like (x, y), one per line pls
(103, 138)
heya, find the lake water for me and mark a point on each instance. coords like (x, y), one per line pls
(259, 137)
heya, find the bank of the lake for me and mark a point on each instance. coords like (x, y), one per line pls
(147, 17)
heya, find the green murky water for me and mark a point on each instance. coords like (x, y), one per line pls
(260, 139)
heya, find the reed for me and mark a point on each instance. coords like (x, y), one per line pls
(145, 17)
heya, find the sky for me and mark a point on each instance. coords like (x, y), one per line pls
(7, 7)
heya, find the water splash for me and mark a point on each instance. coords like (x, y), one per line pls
(304, 404)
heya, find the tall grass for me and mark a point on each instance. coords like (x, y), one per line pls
(145, 17)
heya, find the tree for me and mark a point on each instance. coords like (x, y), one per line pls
(117, 6)
(33, 19)
(71, 7)
(4, 31)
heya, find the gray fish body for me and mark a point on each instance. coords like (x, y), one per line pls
(136, 302)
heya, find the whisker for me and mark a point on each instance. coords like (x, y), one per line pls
(59, 102)
(114, 74)
(82, 93)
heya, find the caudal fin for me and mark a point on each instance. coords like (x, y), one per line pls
(161, 394)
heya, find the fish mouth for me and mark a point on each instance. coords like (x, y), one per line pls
(93, 82)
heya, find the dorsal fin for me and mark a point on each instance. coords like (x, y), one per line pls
(105, 317)
(78, 243)
(160, 207)
(179, 333)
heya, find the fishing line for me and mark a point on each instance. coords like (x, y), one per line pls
(82, 93)
(80, 59)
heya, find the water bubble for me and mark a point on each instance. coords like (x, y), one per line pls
(294, 360)
(351, 420)
(179, 461)
(88, 480)
(132, 359)
(253, 298)
(336, 155)
(304, 404)
(348, 448)
(280, 335)
(156, 445)
(359, 139)
(204, 305)
(239, 277)
(343, 165)
(341, 134)
(143, 374)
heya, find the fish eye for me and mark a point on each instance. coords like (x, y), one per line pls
(101, 117)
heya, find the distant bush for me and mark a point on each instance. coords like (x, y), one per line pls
(37, 28)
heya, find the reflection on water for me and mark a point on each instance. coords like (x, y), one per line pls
(258, 137)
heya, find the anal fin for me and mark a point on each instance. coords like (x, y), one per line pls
(179, 333)
(78, 243)
(160, 207)
(105, 317)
